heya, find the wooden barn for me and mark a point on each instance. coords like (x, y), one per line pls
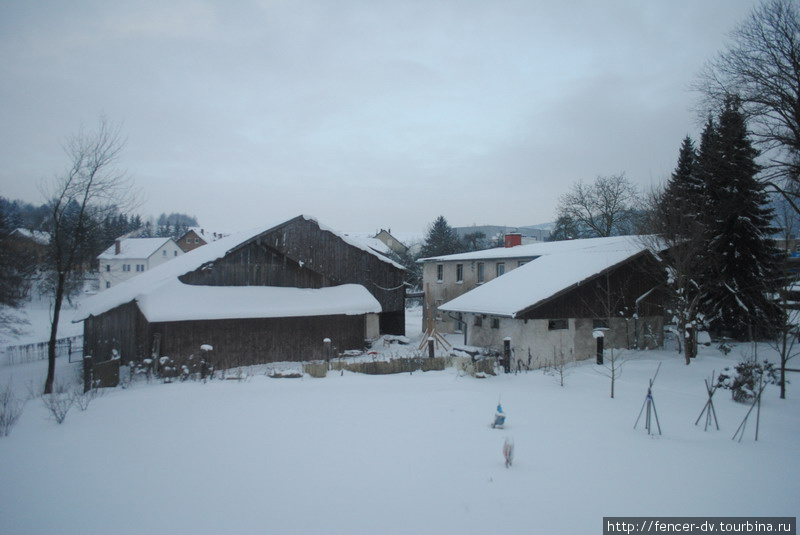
(270, 294)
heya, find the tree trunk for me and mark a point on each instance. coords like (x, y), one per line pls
(691, 345)
(51, 345)
(784, 355)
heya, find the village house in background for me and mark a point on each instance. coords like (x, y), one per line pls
(391, 242)
(31, 244)
(570, 301)
(270, 294)
(195, 237)
(129, 257)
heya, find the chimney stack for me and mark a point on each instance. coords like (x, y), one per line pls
(117, 246)
(513, 239)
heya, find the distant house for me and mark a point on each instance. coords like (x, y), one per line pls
(31, 243)
(130, 257)
(572, 300)
(270, 294)
(391, 242)
(196, 237)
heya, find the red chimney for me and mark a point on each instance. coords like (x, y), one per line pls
(117, 246)
(514, 239)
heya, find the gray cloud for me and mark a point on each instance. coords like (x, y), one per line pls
(365, 114)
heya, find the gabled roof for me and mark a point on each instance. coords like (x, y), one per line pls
(39, 236)
(157, 279)
(547, 276)
(532, 250)
(134, 248)
(206, 234)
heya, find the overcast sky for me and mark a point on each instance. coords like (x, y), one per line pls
(365, 114)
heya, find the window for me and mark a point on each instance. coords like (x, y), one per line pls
(439, 272)
(495, 323)
(108, 284)
(522, 263)
(481, 273)
(556, 325)
(188, 240)
(174, 253)
(164, 252)
(599, 324)
(478, 321)
(501, 268)
(108, 267)
(126, 267)
(140, 267)
(459, 272)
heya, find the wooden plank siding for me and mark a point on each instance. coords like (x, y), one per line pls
(123, 328)
(627, 282)
(247, 342)
(300, 254)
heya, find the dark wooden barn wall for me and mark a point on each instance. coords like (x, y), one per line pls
(257, 341)
(300, 254)
(123, 328)
(627, 282)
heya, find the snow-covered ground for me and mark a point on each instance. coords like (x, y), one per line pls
(405, 454)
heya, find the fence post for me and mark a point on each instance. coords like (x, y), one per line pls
(87, 373)
(430, 347)
(507, 355)
(326, 351)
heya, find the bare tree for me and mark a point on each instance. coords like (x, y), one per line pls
(78, 200)
(606, 207)
(761, 67)
(786, 329)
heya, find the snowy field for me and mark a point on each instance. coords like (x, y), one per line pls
(399, 454)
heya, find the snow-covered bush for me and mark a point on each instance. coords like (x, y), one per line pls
(83, 399)
(10, 410)
(59, 402)
(743, 379)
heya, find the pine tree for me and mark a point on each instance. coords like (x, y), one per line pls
(676, 217)
(441, 239)
(745, 262)
(684, 193)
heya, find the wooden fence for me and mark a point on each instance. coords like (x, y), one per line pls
(71, 347)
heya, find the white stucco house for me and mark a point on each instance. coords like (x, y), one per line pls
(132, 256)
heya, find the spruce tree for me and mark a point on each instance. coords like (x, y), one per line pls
(683, 196)
(440, 240)
(745, 263)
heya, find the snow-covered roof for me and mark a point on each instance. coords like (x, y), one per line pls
(206, 234)
(373, 243)
(39, 236)
(175, 301)
(531, 250)
(136, 288)
(557, 268)
(134, 248)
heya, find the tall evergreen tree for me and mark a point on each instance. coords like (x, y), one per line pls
(746, 263)
(684, 193)
(441, 239)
